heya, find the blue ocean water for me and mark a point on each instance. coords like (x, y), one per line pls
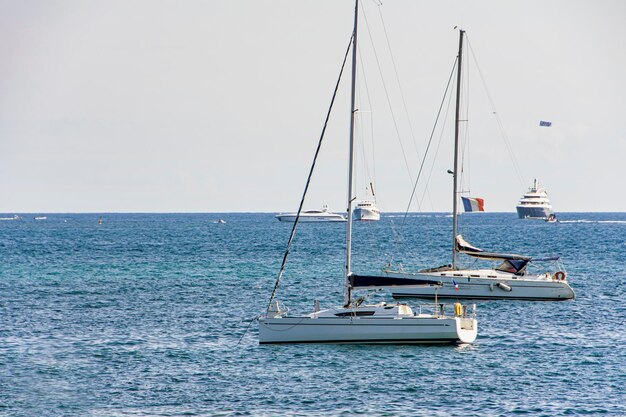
(142, 315)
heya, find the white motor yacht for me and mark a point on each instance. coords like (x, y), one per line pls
(366, 210)
(534, 204)
(309, 216)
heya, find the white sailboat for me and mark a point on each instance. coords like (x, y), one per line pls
(509, 280)
(354, 322)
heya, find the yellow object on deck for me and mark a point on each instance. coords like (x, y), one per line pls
(458, 309)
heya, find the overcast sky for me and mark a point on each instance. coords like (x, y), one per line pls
(217, 106)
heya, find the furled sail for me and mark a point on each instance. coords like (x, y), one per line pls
(511, 262)
(369, 281)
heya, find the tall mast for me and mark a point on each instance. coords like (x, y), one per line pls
(455, 174)
(348, 288)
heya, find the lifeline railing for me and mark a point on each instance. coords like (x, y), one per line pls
(457, 309)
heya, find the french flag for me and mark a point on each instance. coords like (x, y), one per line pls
(456, 285)
(473, 204)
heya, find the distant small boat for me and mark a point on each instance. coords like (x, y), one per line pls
(16, 217)
(100, 221)
(40, 218)
(552, 218)
(221, 221)
(310, 216)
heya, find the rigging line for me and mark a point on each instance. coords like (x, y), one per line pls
(361, 135)
(308, 181)
(509, 148)
(393, 116)
(371, 104)
(395, 69)
(432, 167)
(432, 133)
(398, 236)
(246, 331)
(465, 180)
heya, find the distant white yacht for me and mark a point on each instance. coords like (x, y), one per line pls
(15, 217)
(310, 216)
(534, 204)
(366, 210)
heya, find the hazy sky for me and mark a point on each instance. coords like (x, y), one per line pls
(214, 106)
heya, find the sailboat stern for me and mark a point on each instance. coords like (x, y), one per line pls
(467, 329)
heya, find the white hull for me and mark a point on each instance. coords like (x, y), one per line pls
(404, 330)
(539, 213)
(477, 285)
(366, 214)
(534, 204)
(290, 218)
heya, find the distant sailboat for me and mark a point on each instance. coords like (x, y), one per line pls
(509, 280)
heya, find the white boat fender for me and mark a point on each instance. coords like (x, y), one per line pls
(559, 276)
(491, 287)
(504, 287)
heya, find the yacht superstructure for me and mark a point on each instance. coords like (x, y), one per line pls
(534, 204)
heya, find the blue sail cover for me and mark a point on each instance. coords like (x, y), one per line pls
(369, 281)
(513, 263)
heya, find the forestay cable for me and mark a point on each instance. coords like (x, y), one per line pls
(505, 137)
(393, 116)
(308, 181)
(432, 133)
(398, 234)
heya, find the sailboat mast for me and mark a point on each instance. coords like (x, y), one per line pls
(455, 173)
(348, 288)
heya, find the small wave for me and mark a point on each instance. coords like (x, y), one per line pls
(409, 216)
(595, 221)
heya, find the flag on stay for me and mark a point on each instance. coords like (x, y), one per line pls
(544, 123)
(456, 285)
(473, 204)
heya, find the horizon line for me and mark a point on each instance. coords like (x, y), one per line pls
(274, 212)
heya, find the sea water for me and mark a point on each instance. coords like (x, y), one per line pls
(150, 314)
